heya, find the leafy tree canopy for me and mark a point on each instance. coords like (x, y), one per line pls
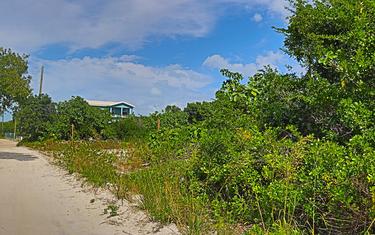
(87, 121)
(36, 115)
(14, 81)
(335, 39)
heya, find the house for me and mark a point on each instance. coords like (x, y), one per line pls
(118, 109)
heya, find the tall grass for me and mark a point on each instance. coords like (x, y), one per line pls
(166, 197)
(160, 189)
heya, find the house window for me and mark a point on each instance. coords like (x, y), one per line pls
(116, 111)
(125, 111)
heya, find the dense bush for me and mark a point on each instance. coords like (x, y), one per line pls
(131, 128)
(258, 177)
(7, 127)
(36, 117)
(73, 119)
(78, 116)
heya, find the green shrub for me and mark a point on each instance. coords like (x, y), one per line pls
(129, 128)
(276, 154)
(36, 117)
(78, 120)
(257, 177)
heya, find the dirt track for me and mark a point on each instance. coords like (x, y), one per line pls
(37, 198)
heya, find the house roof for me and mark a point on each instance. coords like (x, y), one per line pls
(107, 103)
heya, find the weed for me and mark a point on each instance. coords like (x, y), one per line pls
(112, 209)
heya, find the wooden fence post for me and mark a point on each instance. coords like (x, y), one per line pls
(72, 132)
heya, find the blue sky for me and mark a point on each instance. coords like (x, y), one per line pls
(147, 52)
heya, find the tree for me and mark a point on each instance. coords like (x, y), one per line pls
(172, 108)
(77, 114)
(172, 117)
(14, 81)
(198, 111)
(335, 41)
(36, 115)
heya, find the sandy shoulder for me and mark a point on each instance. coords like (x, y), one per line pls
(39, 198)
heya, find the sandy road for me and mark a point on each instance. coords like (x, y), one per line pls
(37, 198)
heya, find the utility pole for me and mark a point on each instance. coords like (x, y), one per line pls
(2, 123)
(41, 80)
(15, 127)
(2, 117)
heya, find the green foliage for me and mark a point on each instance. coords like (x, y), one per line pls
(87, 159)
(172, 118)
(296, 179)
(14, 83)
(36, 117)
(198, 112)
(161, 189)
(112, 209)
(165, 195)
(172, 109)
(276, 154)
(277, 100)
(7, 127)
(129, 128)
(356, 115)
(176, 143)
(335, 39)
(75, 118)
(77, 114)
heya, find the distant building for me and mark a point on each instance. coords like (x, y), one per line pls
(118, 109)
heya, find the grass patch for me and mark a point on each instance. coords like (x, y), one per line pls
(160, 189)
(166, 197)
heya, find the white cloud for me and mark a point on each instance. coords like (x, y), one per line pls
(257, 17)
(155, 91)
(28, 25)
(147, 87)
(277, 7)
(270, 58)
(216, 61)
(274, 59)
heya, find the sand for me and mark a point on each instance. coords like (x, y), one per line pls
(38, 198)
